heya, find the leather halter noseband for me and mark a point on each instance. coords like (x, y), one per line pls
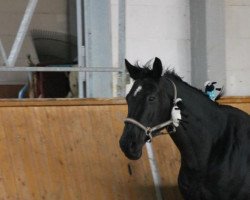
(148, 130)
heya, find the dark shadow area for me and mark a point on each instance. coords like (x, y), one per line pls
(168, 192)
(171, 193)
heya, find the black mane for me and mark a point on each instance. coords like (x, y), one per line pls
(173, 74)
(146, 72)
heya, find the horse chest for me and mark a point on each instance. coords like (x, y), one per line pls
(197, 186)
(190, 184)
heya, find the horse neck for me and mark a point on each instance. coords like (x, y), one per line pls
(204, 122)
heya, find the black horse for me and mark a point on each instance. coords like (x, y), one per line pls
(213, 139)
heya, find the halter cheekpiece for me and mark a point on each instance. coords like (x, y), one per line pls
(174, 121)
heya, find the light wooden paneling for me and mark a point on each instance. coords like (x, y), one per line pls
(68, 152)
(68, 149)
(242, 103)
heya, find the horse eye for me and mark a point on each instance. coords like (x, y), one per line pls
(151, 98)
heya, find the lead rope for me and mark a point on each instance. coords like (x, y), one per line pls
(175, 118)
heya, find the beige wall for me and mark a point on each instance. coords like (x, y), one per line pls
(49, 15)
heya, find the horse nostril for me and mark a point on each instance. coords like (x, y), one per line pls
(133, 146)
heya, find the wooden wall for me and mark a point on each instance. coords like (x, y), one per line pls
(242, 103)
(49, 150)
(68, 149)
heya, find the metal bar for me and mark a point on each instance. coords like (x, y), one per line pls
(59, 69)
(3, 53)
(79, 32)
(154, 171)
(80, 48)
(87, 42)
(23, 28)
(122, 47)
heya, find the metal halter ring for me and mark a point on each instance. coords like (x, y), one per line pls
(148, 133)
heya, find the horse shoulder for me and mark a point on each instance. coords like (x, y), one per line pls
(229, 163)
(227, 175)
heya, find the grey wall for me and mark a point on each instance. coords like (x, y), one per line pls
(220, 44)
(237, 25)
(198, 32)
(207, 42)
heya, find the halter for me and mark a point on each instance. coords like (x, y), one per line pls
(174, 121)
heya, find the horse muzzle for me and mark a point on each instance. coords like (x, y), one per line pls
(131, 149)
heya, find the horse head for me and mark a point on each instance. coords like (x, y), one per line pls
(148, 104)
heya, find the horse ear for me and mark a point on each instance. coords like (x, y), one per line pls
(133, 71)
(157, 68)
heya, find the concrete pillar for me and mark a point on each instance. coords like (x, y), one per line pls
(207, 41)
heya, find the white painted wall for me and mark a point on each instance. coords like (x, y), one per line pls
(237, 27)
(159, 28)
